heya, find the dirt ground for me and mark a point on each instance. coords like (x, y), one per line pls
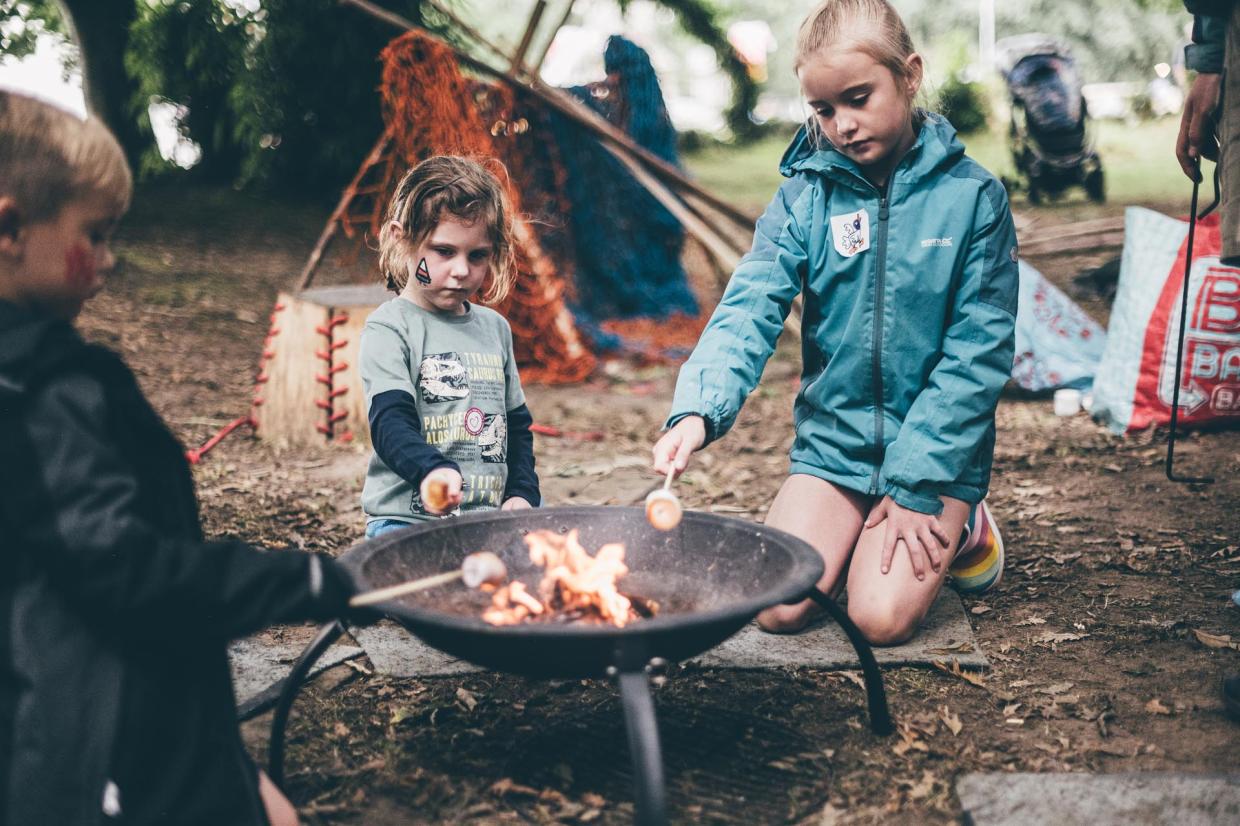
(1097, 664)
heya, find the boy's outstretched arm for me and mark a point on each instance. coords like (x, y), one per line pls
(73, 498)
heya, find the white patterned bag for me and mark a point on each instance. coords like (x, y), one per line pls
(1136, 377)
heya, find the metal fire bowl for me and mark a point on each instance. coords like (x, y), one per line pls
(711, 576)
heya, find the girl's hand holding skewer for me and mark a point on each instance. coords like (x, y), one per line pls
(672, 451)
(921, 533)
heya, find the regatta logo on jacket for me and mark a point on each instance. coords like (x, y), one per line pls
(851, 233)
(936, 242)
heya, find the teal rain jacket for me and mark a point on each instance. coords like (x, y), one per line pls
(907, 330)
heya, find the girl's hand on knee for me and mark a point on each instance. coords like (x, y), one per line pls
(921, 533)
(441, 490)
(672, 451)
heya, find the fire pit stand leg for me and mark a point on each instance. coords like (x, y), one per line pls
(632, 672)
(328, 634)
(880, 716)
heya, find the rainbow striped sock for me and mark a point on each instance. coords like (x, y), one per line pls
(978, 565)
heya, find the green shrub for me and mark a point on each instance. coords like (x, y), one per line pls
(964, 104)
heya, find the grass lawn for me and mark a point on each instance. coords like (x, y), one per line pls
(1138, 160)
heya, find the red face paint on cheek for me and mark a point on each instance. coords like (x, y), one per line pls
(79, 267)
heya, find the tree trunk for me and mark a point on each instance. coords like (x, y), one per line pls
(101, 29)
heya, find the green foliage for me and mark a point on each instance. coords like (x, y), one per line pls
(701, 19)
(192, 52)
(21, 23)
(307, 104)
(965, 105)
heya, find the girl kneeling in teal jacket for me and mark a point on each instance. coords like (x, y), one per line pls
(905, 253)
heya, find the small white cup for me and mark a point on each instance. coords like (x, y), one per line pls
(1067, 401)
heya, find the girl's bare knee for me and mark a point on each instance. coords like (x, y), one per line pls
(785, 619)
(883, 625)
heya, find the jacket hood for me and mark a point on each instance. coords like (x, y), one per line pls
(936, 145)
(29, 344)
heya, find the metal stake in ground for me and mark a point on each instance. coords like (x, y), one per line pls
(1179, 349)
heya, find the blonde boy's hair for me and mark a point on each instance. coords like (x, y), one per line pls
(447, 186)
(49, 157)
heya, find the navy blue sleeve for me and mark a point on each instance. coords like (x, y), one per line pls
(396, 433)
(522, 480)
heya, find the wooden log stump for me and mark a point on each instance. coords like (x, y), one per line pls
(309, 390)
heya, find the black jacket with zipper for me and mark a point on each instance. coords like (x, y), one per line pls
(114, 611)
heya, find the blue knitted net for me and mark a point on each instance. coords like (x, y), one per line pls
(627, 245)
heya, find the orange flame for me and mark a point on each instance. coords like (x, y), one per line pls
(574, 586)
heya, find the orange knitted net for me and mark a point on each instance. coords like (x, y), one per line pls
(424, 103)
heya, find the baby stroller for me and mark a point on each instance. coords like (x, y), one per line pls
(1050, 141)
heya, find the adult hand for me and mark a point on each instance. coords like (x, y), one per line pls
(1196, 138)
(441, 490)
(515, 503)
(921, 533)
(672, 451)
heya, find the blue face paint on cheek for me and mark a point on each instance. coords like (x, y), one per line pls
(423, 274)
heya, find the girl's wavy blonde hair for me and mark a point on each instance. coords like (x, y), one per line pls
(448, 185)
(50, 157)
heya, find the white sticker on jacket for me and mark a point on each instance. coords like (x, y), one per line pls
(851, 233)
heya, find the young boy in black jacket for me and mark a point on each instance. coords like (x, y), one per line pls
(116, 704)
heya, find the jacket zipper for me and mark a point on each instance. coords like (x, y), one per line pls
(876, 351)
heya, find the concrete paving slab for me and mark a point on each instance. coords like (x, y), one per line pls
(1134, 799)
(945, 635)
(395, 652)
(259, 669)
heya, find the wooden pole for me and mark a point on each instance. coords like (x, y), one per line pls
(333, 223)
(536, 67)
(517, 66)
(571, 108)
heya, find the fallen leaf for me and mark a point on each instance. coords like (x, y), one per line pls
(980, 609)
(340, 729)
(1032, 621)
(854, 678)
(950, 720)
(1155, 706)
(1056, 637)
(506, 785)
(1216, 640)
(956, 671)
(1057, 688)
(466, 698)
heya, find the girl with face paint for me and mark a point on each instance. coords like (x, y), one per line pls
(448, 420)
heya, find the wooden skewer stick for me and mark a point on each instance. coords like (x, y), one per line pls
(663, 509)
(476, 569)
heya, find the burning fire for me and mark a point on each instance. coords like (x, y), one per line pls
(575, 585)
